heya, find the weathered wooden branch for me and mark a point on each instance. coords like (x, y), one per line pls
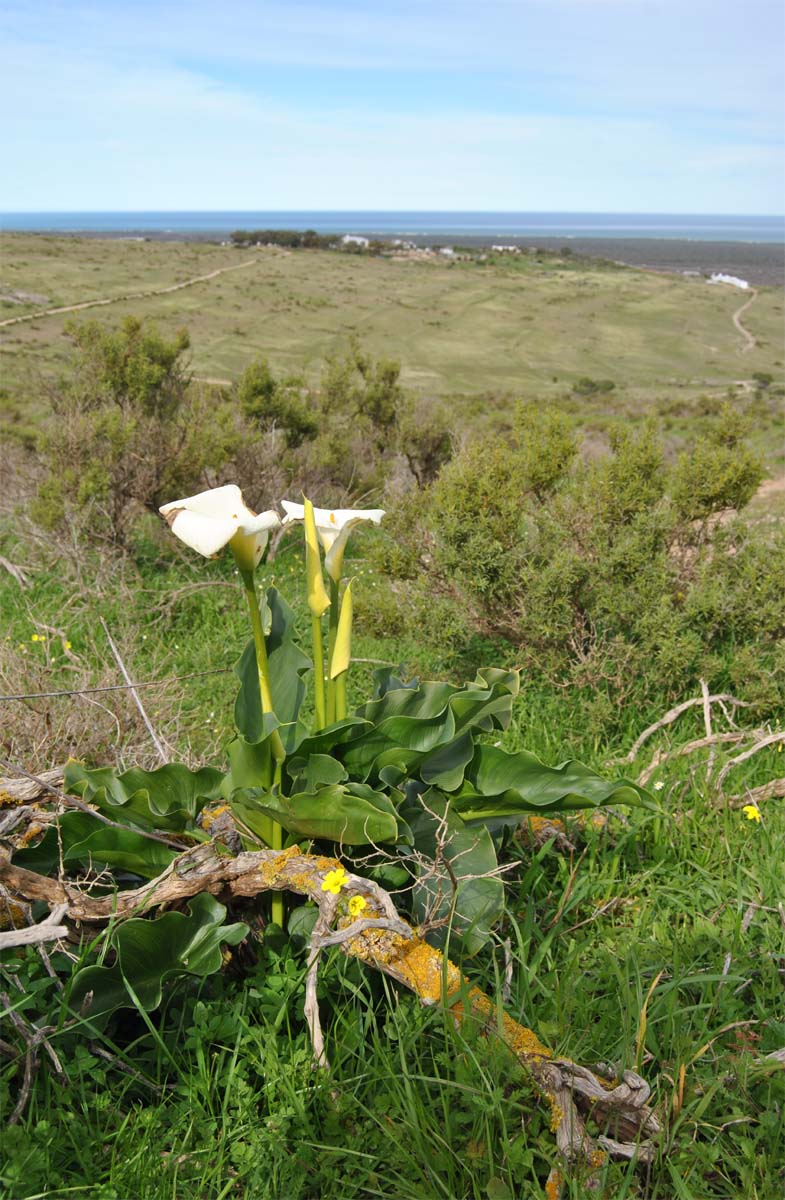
(48, 930)
(767, 791)
(714, 739)
(382, 940)
(672, 715)
(770, 740)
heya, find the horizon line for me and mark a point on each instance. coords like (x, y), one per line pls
(395, 211)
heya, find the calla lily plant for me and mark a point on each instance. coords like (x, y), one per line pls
(408, 768)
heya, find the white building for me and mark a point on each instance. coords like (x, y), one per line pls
(718, 277)
(353, 239)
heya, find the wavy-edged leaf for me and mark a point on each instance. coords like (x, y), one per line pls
(349, 813)
(499, 784)
(151, 953)
(167, 798)
(476, 904)
(90, 844)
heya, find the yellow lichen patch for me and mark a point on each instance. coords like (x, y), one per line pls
(523, 1042)
(210, 814)
(12, 914)
(537, 825)
(32, 832)
(597, 1159)
(424, 970)
(553, 1184)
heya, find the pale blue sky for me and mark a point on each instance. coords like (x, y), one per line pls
(558, 105)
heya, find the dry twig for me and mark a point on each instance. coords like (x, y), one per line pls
(134, 693)
(770, 740)
(672, 715)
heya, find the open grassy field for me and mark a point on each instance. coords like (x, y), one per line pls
(465, 329)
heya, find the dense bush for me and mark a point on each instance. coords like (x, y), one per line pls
(618, 576)
(348, 436)
(128, 429)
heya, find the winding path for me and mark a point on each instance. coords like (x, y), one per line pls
(749, 341)
(175, 287)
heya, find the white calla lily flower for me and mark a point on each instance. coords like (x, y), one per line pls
(220, 517)
(333, 527)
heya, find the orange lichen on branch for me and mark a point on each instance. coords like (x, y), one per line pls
(553, 1184)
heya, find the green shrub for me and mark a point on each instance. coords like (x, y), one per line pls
(128, 431)
(615, 577)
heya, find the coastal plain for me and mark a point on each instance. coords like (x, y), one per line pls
(481, 331)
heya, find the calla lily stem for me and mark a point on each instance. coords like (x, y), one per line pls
(339, 689)
(335, 606)
(279, 754)
(319, 701)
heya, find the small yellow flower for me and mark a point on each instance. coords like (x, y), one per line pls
(356, 905)
(335, 880)
(751, 812)
(35, 638)
(67, 645)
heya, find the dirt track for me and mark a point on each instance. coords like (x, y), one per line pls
(175, 287)
(749, 341)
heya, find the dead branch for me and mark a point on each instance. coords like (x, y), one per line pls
(715, 739)
(48, 930)
(767, 791)
(15, 572)
(33, 1038)
(384, 941)
(740, 758)
(320, 931)
(23, 789)
(672, 715)
(707, 725)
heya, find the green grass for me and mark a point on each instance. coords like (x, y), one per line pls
(680, 906)
(480, 331)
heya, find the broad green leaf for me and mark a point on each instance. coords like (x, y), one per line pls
(498, 784)
(318, 770)
(150, 953)
(90, 844)
(251, 763)
(445, 767)
(168, 798)
(352, 814)
(327, 741)
(442, 837)
(301, 922)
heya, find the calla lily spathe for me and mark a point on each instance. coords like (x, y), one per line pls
(333, 527)
(209, 521)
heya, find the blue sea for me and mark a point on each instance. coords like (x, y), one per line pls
(439, 225)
